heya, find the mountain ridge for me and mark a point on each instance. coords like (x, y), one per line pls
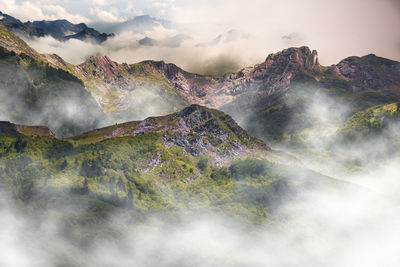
(61, 29)
(124, 91)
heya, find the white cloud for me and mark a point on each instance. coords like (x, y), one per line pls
(39, 10)
(106, 16)
(159, 4)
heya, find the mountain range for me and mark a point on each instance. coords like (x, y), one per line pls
(167, 133)
(258, 97)
(59, 29)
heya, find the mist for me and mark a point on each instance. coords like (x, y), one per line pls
(125, 48)
(339, 201)
(348, 227)
(353, 224)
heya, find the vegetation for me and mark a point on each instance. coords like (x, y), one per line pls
(135, 175)
(371, 122)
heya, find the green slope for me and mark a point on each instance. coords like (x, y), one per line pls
(139, 174)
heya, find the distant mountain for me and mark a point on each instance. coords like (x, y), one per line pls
(89, 34)
(138, 24)
(58, 29)
(20, 28)
(229, 36)
(170, 42)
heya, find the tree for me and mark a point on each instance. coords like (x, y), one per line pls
(63, 165)
(20, 145)
(202, 164)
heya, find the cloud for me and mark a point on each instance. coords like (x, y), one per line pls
(103, 15)
(40, 10)
(166, 45)
(347, 227)
(359, 31)
(294, 39)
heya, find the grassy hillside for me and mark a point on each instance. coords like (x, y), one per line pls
(372, 121)
(138, 172)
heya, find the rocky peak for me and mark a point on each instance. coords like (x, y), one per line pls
(276, 72)
(295, 58)
(168, 69)
(99, 66)
(369, 72)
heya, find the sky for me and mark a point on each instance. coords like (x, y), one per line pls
(336, 29)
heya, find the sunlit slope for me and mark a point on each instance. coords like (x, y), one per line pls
(373, 121)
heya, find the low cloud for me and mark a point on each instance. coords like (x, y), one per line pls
(294, 39)
(168, 46)
(350, 227)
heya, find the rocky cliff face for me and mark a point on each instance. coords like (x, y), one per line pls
(275, 73)
(369, 73)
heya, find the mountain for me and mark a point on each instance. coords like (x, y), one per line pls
(58, 29)
(198, 130)
(20, 28)
(34, 92)
(197, 158)
(89, 34)
(229, 36)
(125, 91)
(137, 24)
(170, 42)
(264, 99)
(371, 121)
(286, 84)
(264, 88)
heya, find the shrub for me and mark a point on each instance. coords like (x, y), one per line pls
(202, 164)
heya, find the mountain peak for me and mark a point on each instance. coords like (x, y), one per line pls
(301, 58)
(99, 65)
